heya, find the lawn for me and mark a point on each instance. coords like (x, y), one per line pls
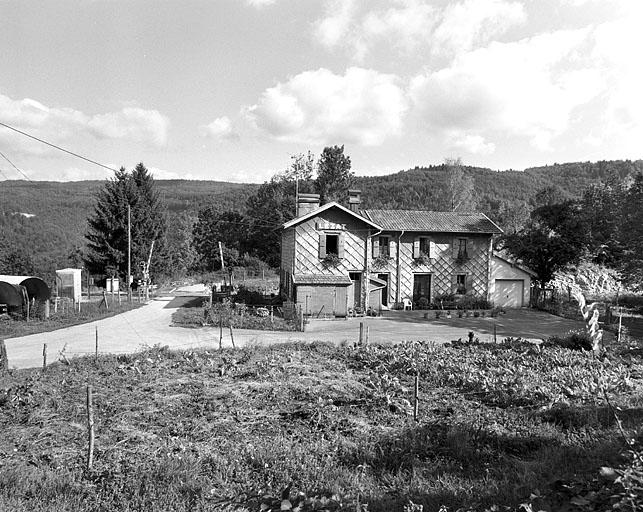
(90, 311)
(323, 427)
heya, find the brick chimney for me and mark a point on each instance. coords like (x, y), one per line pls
(307, 203)
(354, 200)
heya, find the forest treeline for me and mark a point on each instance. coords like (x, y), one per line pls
(42, 224)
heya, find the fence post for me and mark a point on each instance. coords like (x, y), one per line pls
(361, 333)
(416, 397)
(90, 428)
(366, 336)
(220, 330)
(4, 359)
(44, 357)
(96, 355)
(495, 339)
(620, 324)
(232, 335)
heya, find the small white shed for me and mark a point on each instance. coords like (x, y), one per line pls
(510, 285)
(68, 283)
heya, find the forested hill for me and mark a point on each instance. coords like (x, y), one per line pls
(48, 219)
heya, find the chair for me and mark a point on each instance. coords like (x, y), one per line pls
(408, 303)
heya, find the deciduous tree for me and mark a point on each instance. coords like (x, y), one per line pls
(334, 175)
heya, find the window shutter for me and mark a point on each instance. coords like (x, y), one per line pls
(416, 247)
(322, 245)
(431, 248)
(468, 283)
(454, 283)
(340, 246)
(455, 246)
(376, 247)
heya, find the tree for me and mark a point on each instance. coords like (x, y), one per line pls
(459, 190)
(107, 226)
(214, 226)
(334, 175)
(179, 255)
(541, 250)
(632, 233)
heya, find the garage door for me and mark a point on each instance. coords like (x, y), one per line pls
(508, 293)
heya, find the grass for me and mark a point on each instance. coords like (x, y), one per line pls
(326, 427)
(90, 311)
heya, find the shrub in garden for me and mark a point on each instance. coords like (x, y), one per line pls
(573, 340)
(423, 303)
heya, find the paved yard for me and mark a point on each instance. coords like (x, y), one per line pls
(151, 325)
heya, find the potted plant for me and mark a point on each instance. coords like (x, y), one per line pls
(380, 262)
(421, 259)
(331, 260)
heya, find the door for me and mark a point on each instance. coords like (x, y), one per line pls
(385, 278)
(355, 290)
(421, 287)
(508, 293)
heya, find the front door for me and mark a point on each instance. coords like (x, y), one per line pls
(421, 287)
(355, 290)
(384, 277)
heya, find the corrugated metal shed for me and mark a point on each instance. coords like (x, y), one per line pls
(321, 279)
(427, 221)
(36, 287)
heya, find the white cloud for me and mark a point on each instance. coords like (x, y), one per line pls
(57, 125)
(470, 22)
(260, 3)
(410, 24)
(220, 129)
(469, 143)
(319, 107)
(528, 88)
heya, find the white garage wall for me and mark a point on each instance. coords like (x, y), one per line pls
(501, 269)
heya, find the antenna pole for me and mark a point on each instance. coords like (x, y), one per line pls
(129, 253)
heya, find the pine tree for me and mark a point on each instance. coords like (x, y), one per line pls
(334, 175)
(107, 226)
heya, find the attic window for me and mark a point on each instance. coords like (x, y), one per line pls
(332, 244)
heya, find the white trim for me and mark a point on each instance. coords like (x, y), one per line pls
(327, 206)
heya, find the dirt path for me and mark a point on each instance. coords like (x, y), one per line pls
(151, 325)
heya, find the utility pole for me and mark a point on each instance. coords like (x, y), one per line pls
(221, 254)
(129, 253)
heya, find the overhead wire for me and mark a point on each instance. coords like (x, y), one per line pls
(14, 166)
(58, 147)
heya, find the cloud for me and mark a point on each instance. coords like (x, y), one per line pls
(410, 24)
(472, 144)
(319, 107)
(57, 125)
(528, 88)
(260, 3)
(220, 129)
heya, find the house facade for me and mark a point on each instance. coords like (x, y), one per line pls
(335, 260)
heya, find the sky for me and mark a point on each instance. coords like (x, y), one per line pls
(231, 89)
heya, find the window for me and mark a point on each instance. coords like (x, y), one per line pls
(461, 284)
(462, 249)
(385, 251)
(332, 244)
(425, 245)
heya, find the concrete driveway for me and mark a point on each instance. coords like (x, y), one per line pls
(151, 325)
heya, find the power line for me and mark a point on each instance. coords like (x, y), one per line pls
(14, 166)
(58, 147)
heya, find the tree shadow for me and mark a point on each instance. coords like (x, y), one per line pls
(185, 302)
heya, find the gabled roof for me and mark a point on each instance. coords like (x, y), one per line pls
(328, 206)
(502, 255)
(440, 222)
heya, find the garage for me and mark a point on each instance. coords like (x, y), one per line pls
(510, 284)
(508, 293)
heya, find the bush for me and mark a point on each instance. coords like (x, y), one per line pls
(422, 303)
(632, 301)
(573, 340)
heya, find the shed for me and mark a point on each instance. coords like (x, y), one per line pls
(11, 294)
(68, 283)
(510, 285)
(36, 287)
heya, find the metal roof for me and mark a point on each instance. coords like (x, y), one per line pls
(437, 222)
(320, 279)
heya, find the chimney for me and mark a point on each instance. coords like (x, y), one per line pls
(307, 203)
(354, 200)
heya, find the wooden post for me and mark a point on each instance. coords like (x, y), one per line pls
(416, 397)
(232, 336)
(263, 274)
(220, 330)
(96, 354)
(366, 336)
(620, 324)
(44, 357)
(361, 333)
(90, 429)
(47, 309)
(4, 359)
(495, 339)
